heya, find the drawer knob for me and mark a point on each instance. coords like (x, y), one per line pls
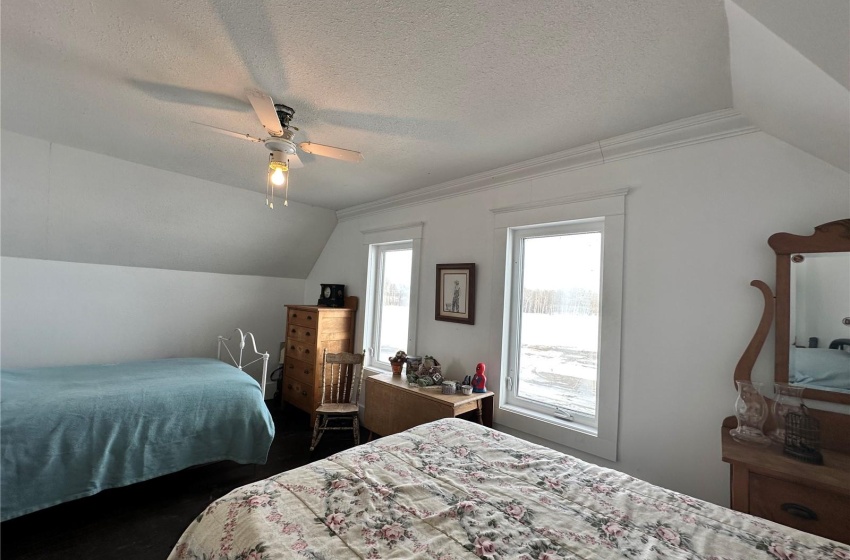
(289, 386)
(306, 372)
(800, 511)
(292, 331)
(304, 393)
(295, 314)
(309, 317)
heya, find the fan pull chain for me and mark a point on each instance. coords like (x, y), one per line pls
(286, 185)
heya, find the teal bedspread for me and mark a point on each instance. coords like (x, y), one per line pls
(69, 432)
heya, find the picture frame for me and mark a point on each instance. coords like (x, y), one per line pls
(455, 293)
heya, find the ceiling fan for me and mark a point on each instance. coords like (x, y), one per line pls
(283, 155)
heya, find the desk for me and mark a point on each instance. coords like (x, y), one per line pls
(392, 407)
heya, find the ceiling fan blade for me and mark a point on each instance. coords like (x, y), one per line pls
(264, 107)
(331, 152)
(294, 161)
(230, 132)
(189, 96)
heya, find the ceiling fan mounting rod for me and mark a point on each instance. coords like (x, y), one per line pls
(284, 113)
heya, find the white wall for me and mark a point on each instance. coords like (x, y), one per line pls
(59, 313)
(106, 260)
(65, 204)
(697, 223)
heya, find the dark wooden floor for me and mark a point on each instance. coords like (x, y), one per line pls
(144, 521)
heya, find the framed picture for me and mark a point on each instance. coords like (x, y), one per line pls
(455, 300)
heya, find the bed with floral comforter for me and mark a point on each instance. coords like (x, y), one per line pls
(453, 489)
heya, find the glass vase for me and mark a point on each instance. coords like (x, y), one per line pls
(788, 398)
(751, 412)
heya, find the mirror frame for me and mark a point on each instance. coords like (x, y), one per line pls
(832, 237)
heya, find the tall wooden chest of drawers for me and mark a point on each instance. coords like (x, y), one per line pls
(309, 331)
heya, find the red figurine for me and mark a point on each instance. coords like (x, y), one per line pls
(479, 380)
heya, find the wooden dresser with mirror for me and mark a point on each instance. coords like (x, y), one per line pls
(812, 317)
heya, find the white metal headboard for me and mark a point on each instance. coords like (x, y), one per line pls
(238, 363)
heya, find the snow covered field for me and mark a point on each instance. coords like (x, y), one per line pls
(558, 360)
(394, 319)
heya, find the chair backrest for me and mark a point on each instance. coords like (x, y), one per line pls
(341, 375)
(839, 343)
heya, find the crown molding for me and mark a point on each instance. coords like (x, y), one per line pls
(684, 132)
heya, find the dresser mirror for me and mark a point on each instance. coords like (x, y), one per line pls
(813, 311)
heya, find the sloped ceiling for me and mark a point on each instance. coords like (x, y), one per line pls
(784, 92)
(428, 91)
(818, 29)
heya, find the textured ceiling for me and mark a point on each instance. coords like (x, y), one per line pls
(428, 91)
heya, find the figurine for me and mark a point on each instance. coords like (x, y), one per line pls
(479, 380)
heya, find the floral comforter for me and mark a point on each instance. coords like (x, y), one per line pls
(453, 489)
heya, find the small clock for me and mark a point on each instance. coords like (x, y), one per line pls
(332, 295)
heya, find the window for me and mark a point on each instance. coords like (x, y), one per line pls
(554, 335)
(392, 287)
(392, 263)
(558, 320)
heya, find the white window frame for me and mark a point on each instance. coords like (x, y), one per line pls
(377, 242)
(517, 236)
(608, 207)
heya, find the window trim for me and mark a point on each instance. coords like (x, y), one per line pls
(516, 236)
(373, 239)
(610, 206)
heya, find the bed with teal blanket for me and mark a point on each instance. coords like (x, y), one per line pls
(70, 432)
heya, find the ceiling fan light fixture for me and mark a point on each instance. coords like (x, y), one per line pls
(278, 176)
(283, 156)
(278, 168)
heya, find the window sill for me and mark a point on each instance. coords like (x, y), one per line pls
(540, 417)
(369, 371)
(569, 434)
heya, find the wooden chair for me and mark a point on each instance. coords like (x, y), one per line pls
(839, 343)
(341, 377)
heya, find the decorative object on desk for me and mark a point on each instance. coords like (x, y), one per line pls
(449, 387)
(332, 295)
(751, 412)
(397, 362)
(479, 380)
(428, 372)
(455, 297)
(788, 398)
(802, 437)
(466, 389)
(413, 363)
